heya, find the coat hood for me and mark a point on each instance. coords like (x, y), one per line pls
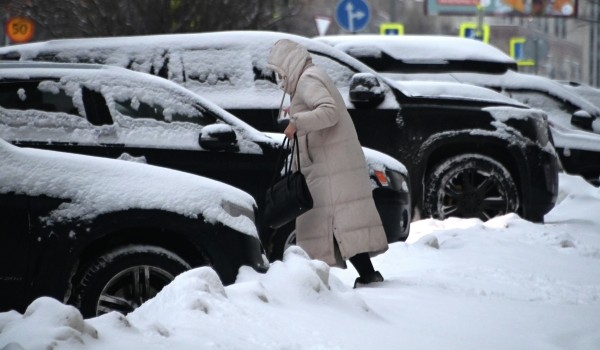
(289, 59)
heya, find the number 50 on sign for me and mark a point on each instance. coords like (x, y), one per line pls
(19, 29)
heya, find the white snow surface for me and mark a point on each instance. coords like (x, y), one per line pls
(419, 48)
(98, 186)
(454, 284)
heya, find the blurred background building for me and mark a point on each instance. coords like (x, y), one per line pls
(559, 39)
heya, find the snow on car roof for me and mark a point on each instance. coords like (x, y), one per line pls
(240, 52)
(436, 48)
(93, 183)
(452, 90)
(262, 41)
(153, 45)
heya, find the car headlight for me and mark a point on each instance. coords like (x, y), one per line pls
(398, 181)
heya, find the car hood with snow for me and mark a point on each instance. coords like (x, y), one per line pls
(97, 186)
(454, 91)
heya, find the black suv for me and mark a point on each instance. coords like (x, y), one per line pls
(117, 113)
(466, 157)
(573, 110)
(106, 234)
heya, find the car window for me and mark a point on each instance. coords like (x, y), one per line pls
(45, 96)
(542, 101)
(44, 111)
(226, 67)
(231, 77)
(144, 103)
(559, 112)
(340, 73)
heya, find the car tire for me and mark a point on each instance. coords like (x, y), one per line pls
(283, 239)
(122, 279)
(470, 185)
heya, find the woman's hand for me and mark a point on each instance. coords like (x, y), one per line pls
(290, 131)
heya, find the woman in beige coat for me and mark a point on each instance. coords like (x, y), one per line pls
(344, 223)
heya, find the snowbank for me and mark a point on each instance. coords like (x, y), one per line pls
(455, 284)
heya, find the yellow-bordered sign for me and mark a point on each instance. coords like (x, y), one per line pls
(20, 29)
(391, 29)
(469, 30)
(517, 51)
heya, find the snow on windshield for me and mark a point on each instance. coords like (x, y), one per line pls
(592, 94)
(92, 184)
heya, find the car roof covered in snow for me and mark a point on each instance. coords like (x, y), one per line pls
(420, 49)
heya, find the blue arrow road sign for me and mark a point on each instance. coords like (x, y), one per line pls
(352, 15)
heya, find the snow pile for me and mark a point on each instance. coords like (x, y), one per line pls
(455, 284)
(196, 309)
(55, 325)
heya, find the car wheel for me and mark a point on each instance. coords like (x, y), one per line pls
(470, 185)
(123, 279)
(282, 240)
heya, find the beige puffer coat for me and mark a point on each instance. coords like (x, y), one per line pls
(332, 162)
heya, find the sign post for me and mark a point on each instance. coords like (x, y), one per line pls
(352, 15)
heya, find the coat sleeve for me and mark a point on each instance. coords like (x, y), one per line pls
(321, 113)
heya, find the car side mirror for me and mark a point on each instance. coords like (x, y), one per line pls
(582, 119)
(366, 90)
(218, 137)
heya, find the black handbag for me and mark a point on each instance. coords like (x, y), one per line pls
(288, 197)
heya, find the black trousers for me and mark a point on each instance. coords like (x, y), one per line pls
(362, 263)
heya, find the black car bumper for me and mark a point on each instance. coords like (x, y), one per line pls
(394, 207)
(541, 188)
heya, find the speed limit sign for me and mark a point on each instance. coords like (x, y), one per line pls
(20, 29)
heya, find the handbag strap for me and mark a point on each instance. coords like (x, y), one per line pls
(288, 167)
(295, 145)
(281, 106)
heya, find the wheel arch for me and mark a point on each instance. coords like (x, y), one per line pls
(170, 231)
(140, 235)
(443, 147)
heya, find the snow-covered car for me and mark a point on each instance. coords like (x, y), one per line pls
(422, 53)
(105, 234)
(118, 113)
(468, 158)
(572, 113)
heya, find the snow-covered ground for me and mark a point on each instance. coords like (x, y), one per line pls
(455, 284)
